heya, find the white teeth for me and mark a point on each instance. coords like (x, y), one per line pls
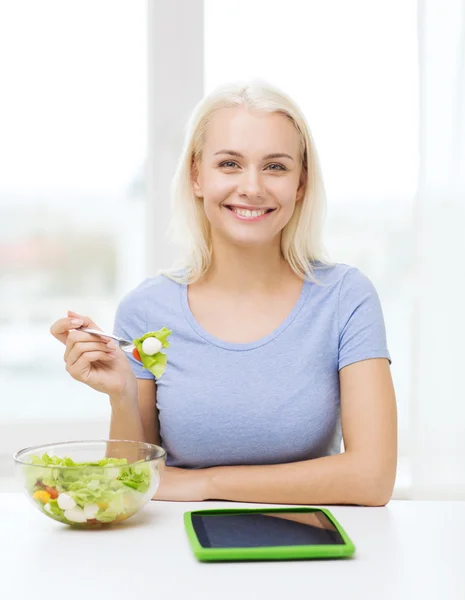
(248, 213)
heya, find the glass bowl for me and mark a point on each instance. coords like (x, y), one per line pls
(90, 484)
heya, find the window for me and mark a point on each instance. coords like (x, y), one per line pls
(72, 199)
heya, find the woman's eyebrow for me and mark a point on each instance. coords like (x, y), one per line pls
(239, 155)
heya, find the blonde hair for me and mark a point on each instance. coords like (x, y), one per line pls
(301, 239)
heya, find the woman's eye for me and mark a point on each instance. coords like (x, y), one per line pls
(230, 164)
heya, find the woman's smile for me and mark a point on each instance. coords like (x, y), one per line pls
(244, 213)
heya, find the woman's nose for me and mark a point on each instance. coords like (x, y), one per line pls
(250, 183)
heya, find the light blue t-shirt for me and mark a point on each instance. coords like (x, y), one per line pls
(275, 400)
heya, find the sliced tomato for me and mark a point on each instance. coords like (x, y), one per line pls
(136, 354)
(53, 492)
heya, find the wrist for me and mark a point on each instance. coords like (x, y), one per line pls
(208, 488)
(124, 399)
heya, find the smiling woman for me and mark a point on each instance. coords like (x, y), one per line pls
(250, 188)
(276, 354)
(249, 129)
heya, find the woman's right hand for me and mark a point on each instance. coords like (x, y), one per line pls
(98, 363)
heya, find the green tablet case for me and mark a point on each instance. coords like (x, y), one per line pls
(268, 552)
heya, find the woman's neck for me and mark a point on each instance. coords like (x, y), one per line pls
(244, 270)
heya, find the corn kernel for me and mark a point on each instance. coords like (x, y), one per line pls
(41, 495)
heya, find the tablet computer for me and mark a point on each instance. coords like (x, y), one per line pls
(301, 532)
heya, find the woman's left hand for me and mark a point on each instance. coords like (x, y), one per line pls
(183, 485)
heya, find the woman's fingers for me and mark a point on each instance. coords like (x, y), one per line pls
(74, 352)
(86, 321)
(61, 328)
(81, 337)
(81, 366)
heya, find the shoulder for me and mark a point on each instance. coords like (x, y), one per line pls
(156, 285)
(153, 304)
(338, 275)
(346, 286)
(354, 298)
(156, 290)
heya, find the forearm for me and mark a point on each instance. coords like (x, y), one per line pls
(126, 423)
(338, 479)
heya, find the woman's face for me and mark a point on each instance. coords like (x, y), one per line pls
(249, 175)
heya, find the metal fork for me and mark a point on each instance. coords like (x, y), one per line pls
(125, 345)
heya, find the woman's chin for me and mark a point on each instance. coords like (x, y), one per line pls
(248, 239)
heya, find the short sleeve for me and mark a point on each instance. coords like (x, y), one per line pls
(130, 323)
(362, 332)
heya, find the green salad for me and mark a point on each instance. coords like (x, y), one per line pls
(89, 492)
(148, 350)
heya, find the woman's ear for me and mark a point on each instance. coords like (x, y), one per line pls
(302, 179)
(195, 180)
(302, 188)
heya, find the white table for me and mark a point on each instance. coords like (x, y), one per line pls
(407, 550)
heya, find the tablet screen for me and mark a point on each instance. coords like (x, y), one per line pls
(255, 530)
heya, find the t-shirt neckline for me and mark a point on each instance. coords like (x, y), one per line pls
(248, 345)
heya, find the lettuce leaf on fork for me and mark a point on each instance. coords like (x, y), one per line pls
(156, 363)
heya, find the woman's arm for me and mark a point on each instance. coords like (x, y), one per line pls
(134, 416)
(364, 474)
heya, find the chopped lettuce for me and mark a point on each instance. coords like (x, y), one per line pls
(157, 362)
(111, 483)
